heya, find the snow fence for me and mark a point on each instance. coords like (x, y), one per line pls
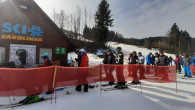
(24, 82)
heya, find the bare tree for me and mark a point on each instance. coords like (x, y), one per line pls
(75, 26)
(61, 19)
(85, 15)
(79, 14)
(54, 15)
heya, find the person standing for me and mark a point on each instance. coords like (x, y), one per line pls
(47, 62)
(177, 62)
(141, 58)
(193, 63)
(148, 59)
(148, 62)
(22, 54)
(119, 69)
(163, 61)
(170, 60)
(46, 59)
(110, 60)
(141, 61)
(78, 59)
(152, 59)
(84, 63)
(133, 59)
(156, 61)
(186, 65)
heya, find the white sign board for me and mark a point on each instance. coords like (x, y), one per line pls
(30, 49)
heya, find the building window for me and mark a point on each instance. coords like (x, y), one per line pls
(2, 54)
(45, 50)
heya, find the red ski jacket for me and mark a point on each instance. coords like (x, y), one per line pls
(47, 62)
(84, 61)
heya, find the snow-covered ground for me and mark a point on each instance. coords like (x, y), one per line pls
(154, 96)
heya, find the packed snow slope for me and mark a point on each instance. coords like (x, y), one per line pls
(154, 96)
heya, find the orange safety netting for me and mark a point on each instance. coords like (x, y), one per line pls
(23, 82)
(192, 68)
(122, 73)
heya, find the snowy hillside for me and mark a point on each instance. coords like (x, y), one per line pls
(154, 96)
(130, 48)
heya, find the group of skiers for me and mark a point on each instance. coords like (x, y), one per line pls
(158, 59)
(185, 61)
(110, 57)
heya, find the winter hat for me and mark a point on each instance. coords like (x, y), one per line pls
(119, 48)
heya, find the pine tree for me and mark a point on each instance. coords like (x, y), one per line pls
(174, 37)
(103, 20)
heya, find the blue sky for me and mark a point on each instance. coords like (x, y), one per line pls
(136, 18)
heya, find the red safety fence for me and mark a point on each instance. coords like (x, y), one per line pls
(24, 82)
(120, 73)
(67, 76)
(192, 67)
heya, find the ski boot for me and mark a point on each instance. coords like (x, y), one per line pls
(117, 85)
(86, 88)
(189, 76)
(122, 87)
(33, 99)
(78, 88)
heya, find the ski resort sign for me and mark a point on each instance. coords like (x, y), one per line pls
(21, 32)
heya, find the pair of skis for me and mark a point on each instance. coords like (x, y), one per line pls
(21, 104)
(112, 88)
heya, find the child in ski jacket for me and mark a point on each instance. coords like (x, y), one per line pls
(186, 65)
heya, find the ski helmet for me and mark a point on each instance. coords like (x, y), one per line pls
(21, 52)
(119, 48)
(44, 55)
(82, 51)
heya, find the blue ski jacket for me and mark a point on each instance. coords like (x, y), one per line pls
(148, 61)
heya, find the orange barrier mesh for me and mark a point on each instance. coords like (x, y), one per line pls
(192, 68)
(70, 76)
(23, 82)
(120, 73)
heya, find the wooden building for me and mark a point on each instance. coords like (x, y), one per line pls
(23, 24)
